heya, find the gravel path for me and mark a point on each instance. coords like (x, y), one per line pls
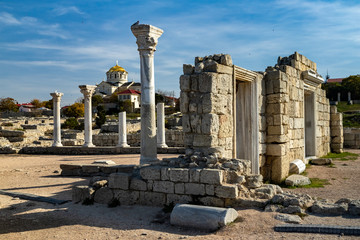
(23, 219)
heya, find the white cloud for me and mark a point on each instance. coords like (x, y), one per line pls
(59, 11)
(8, 19)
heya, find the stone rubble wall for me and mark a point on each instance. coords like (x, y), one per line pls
(352, 138)
(174, 138)
(337, 135)
(113, 127)
(206, 104)
(262, 123)
(324, 126)
(157, 185)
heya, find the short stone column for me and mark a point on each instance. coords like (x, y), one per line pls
(88, 91)
(161, 126)
(349, 98)
(122, 130)
(339, 97)
(146, 39)
(57, 125)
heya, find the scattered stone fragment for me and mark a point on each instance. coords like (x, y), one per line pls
(288, 218)
(273, 208)
(105, 162)
(321, 161)
(202, 217)
(354, 207)
(297, 180)
(81, 193)
(329, 208)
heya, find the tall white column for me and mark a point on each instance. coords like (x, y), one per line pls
(57, 125)
(161, 126)
(122, 130)
(88, 91)
(146, 39)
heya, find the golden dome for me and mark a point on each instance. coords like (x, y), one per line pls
(116, 68)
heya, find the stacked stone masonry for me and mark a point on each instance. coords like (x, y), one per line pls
(294, 119)
(352, 138)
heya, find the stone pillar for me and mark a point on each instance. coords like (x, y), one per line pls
(339, 97)
(146, 39)
(122, 130)
(57, 125)
(161, 126)
(88, 91)
(349, 98)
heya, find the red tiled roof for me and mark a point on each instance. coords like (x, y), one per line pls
(129, 91)
(334, 80)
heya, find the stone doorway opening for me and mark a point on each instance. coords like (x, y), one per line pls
(309, 124)
(246, 118)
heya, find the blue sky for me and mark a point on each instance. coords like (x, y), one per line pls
(59, 45)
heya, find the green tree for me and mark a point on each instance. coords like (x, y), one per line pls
(332, 89)
(126, 106)
(352, 84)
(37, 103)
(96, 100)
(101, 116)
(76, 110)
(8, 104)
(48, 104)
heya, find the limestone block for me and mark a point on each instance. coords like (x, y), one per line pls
(90, 169)
(194, 82)
(138, 184)
(185, 83)
(329, 208)
(179, 174)
(212, 201)
(202, 217)
(201, 140)
(119, 180)
(199, 67)
(336, 117)
(163, 186)
(207, 82)
(194, 175)
(80, 193)
(179, 188)
(127, 197)
(188, 69)
(184, 102)
(211, 176)
(225, 126)
(186, 123)
(276, 149)
(103, 195)
(193, 108)
(210, 123)
(194, 189)
(297, 180)
(195, 123)
(337, 139)
(164, 172)
(225, 81)
(288, 218)
(354, 207)
(150, 173)
(227, 191)
(254, 181)
(150, 184)
(277, 130)
(176, 198)
(152, 198)
(226, 60)
(277, 138)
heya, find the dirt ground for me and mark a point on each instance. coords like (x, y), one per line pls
(35, 174)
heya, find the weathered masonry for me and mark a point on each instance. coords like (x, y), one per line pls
(270, 118)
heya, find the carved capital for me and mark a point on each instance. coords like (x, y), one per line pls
(146, 36)
(87, 90)
(56, 96)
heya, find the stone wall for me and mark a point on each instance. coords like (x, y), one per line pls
(174, 138)
(206, 104)
(337, 136)
(352, 138)
(167, 183)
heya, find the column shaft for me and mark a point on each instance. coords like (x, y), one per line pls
(88, 91)
(122, 130)
(161, 141)
(57, 124)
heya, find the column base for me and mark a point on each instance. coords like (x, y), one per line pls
(123, 145)
(57, 144)
(88, 145)
(163, 145)
(145, 160)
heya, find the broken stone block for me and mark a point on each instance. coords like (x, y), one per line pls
(297, 180)
(292, 210)
(329, 208)
(354, 207)
(80, 193)
(188, 69)
(119, 180)
(99, 184)
(202, 217)
(288, 218)
(70, 170)
(273, 208)
(321, 161)
(103, 195)
(138, 184)
(254, 181)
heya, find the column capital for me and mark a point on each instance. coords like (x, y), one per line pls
(146, 36)
(56, 95)
(87, 90)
